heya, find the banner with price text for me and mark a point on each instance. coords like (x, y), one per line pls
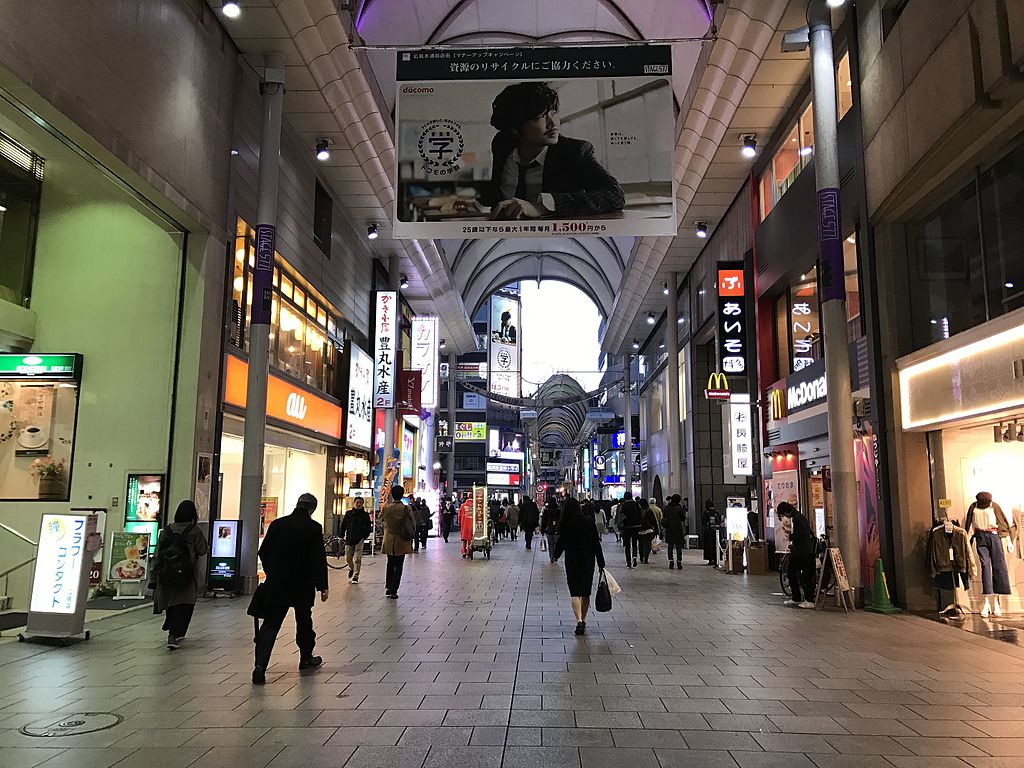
(535, 142)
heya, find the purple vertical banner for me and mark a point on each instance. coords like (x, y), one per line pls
(263, 275)
(830, 265)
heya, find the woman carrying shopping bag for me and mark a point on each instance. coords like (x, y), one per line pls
(578, 539)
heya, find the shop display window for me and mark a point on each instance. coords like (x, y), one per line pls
(305, 334)
(844, 86)
(38, 411)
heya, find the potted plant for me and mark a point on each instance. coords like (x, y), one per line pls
(49, 473)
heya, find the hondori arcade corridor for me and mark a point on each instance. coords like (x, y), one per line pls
(476, 664)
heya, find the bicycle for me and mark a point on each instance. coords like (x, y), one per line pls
(823, 544)
(334, 548)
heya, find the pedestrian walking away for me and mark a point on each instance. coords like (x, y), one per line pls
(175, 569)
(674, 521)
(649, 530)
(549, 526)
(293, 557)
(578, 539)
(709, 533)
(424, 522)
(399, 525)
(512, 513)
(529, 519)
(801, 554)
(630, 527)
(355, 529)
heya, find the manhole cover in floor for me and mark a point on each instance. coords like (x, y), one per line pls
(72, 725)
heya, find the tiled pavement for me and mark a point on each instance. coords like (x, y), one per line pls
(476, 665)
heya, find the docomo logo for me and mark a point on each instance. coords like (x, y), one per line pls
(296, 406)
(416, 89)
(806, 392)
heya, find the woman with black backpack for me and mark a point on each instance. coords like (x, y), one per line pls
(175, 572)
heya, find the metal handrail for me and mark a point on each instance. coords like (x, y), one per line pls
(19, 535)
(9, 571)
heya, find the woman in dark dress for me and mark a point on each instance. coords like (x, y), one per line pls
(578, 539)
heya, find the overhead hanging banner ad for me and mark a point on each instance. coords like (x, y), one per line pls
(533, 142)
(504, 346)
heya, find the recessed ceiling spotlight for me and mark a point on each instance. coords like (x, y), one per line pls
(404, 282)
(234, 151)
(231, 8)
(702, 229)
(372, 232)
(636, 344)
(651, 318)
(749, 149)
(1008, 285)
(323, 151)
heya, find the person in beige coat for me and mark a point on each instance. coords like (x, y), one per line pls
(399, 525)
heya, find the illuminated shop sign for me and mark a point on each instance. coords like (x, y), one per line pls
(385, 332)
(38, 366)
(732, 318)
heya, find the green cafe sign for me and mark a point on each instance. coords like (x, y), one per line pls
(37, 366)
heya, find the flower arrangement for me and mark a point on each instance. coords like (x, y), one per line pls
(48, 468)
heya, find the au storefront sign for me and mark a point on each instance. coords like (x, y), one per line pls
(63, 366)
(732, 318)
(285, 402)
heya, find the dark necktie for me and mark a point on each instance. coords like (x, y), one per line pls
(521, 184)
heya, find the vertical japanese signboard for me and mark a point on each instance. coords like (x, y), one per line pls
(740, 440)
(504, 346)
(732, 318)
(804, 325)
(385, 332)
(359, 421)
(423, 357)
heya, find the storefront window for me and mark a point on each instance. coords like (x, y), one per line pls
(945, 269)
(21, 174)
(305, 337)
(844, 85)
(804, 322)
(1002, 196)
(786, 163)
(854, 325)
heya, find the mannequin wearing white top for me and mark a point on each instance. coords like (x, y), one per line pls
(987, 521)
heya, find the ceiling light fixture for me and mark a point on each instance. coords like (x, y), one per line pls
(805, 151)
(372, 232)
(231, 8)
(441, 345)
(749, 146)
(636, 344)
(404, 283)
(1008, 285)
(702, 229)
(3, 208)
(852, 239)
(651, 318)
(234, 151)
(835, 3)
(664, 289)
(323, 152)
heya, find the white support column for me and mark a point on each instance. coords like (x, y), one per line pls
(272, 88)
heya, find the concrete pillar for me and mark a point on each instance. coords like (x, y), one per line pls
(672, 385)
(831, 282)
(272, 88)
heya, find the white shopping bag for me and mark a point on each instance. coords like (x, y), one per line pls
(613, 585)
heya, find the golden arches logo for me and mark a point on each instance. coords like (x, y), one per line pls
(776, 404)
(718, 380)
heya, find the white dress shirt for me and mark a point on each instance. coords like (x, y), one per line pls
(534, 179)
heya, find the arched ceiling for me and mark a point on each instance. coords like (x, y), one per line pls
(482, 22)
(594, 265)
(561, 426)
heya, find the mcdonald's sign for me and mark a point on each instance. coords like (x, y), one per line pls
(776, 405)
(718, 387)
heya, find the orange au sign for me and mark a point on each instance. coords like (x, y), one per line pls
(718, 387)
(285, 401)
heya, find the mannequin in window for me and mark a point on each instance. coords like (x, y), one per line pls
(989, 525)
